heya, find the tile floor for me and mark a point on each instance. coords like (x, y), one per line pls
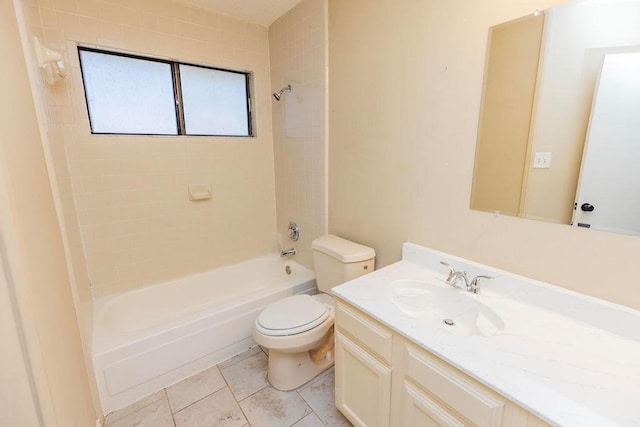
(234, 393)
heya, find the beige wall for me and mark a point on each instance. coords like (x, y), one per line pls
(34, 247)
(51, 134)
(406, 81)
(297, 42)
(130, 192)
(507, 102)
(373, 121)
(18, 405)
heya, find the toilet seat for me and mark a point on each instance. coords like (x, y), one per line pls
(292, 315)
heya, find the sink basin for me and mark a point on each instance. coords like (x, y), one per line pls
(449, 308)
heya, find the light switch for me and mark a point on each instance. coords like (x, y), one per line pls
(542, 160)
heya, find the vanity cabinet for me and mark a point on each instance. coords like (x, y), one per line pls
(363, 368)
(383, 379)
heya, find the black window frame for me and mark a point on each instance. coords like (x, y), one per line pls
(177, 93)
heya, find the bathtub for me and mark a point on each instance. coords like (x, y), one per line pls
(149, 338)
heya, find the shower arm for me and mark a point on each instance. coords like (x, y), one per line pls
(278, 95)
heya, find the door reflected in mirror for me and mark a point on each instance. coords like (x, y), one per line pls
(553, 89)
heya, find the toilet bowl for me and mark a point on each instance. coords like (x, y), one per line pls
(298, 330)
(291, 335)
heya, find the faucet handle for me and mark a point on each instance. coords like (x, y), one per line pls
(452, 277)
(451, 269)
(474, 286)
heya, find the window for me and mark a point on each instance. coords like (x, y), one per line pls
(214, 101)
(129, 94)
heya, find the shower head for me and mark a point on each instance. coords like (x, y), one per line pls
(278, 95)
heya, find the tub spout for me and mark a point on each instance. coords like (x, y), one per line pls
(288, 252)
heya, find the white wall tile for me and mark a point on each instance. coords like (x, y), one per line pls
(130, 192)
(300, 143)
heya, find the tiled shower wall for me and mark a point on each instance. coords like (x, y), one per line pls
(298, 57)
(136, 222)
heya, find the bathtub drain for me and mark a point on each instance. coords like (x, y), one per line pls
(287, 269)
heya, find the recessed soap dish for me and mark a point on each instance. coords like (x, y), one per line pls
(199, 192)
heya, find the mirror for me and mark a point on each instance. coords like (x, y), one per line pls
(559, 129)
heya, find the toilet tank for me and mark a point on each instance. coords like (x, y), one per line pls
(338, 260)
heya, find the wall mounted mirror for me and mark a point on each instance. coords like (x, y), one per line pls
(559, 130)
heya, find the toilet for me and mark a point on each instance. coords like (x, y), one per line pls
(298, 330)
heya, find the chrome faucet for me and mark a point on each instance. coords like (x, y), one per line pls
(454, 276)
(288, 252)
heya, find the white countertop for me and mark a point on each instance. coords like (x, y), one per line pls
(570, 359)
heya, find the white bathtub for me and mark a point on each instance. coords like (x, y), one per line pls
(151, 337)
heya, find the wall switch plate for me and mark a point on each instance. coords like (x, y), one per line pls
(542, 160)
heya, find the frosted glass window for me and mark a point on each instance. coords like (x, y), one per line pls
(215, 102)
(128, 95)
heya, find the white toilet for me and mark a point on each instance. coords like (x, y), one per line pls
(298, 330)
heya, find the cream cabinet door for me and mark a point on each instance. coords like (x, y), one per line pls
(363, 385)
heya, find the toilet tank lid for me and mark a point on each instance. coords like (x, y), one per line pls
(342, 249)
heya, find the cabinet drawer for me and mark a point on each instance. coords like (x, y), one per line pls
(420, 409)
(465, 396)
(367, 331)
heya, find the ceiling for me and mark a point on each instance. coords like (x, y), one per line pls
(262, 12)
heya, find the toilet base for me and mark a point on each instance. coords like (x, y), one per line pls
(288, 371)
